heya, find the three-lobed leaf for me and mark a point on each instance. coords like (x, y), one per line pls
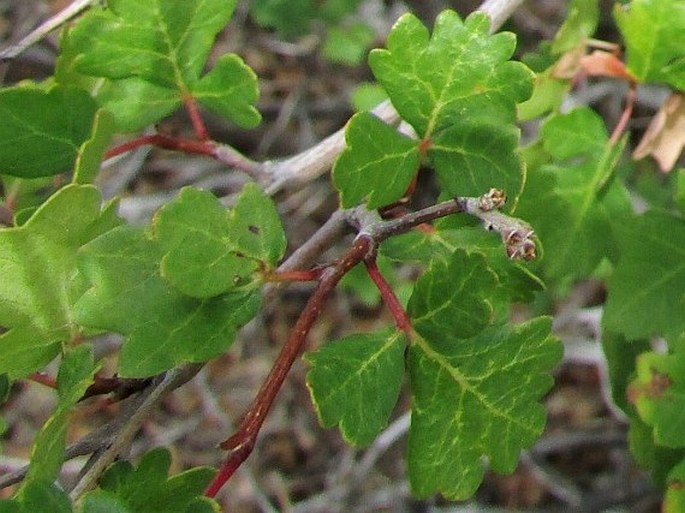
(158, 50)
(164, 326)
(181, 289)
(458, 90)
(458, 72)
(476, 398)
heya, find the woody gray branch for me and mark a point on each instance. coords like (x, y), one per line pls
(517, 235)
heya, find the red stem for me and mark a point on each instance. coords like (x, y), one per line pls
(166, 142)
(241, 443)
(195, 118)
(43, 379)
(398, 312)
(281, 276)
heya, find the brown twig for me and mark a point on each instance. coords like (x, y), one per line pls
(240, 444)
(119, 387)
(372, 231)
(195, 117)
(161, 386)
(220, 152)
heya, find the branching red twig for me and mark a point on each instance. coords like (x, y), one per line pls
(372, 231)
(242, 442)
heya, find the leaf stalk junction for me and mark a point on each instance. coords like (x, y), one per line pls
(372, 230)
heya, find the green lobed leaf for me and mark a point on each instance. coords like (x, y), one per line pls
(148, 488)
(41, 131)
(459, 72)
(646, 289)
(200, 259)
(208, 250)
(658, 393)
(164, 326)
(39, 282)
(573, 203)
(355, 382)
(476, 398)
(165, 42)
(377, 165)
(459, 91)
(158, 50)
(453, 297)
(230, 90)
(75, 376)
(654, 35)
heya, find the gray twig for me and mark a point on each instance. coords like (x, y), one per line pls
(56, 21)
(125, 435)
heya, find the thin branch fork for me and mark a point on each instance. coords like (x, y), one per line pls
(372, 231)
